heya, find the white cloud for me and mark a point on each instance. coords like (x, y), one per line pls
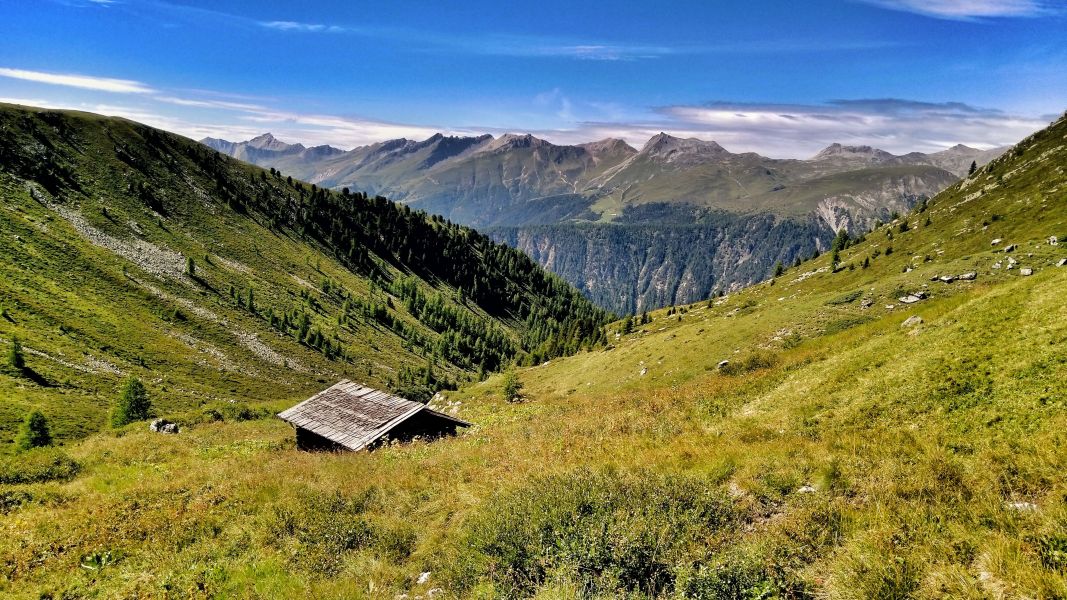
(799, 131)
(969, 9)
(102, 84)
(302, 27)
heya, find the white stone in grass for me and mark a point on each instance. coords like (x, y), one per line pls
(722, 364)
(996, 265)
(806, 489)
(423, 578)
(1053, 240)
(909, 299)
(1026, 271)
(912, 321)
(969, 276)
(1063, 261)
(1021, 506)
(995, 242)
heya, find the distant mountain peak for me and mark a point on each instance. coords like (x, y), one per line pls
(864, 152)
(666, 145)
(267, 141)
(510, 141)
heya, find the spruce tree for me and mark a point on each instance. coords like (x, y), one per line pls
(190, 266)
(133, 404)
(512, 386)
(974, 167)
(778, 269)
(34, 432)
(15, 358)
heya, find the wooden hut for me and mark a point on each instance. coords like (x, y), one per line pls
(349, 416)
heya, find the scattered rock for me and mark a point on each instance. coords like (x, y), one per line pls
(1021, 506)
(909, 299)
(867, 303)
(1026, 271)
(912, 321)
(1063, 261)
(947, 278)
(995, 242)
(423, 578)
(1011, 263)
(997, 265)
(1053, 240)
(890, 306)
(968, 276)
(806, 489)
(1010, 248)
(723, 364)
(644, 371)
(163, 426)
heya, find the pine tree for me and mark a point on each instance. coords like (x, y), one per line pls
(627, 325)
(778, 269)
(835, 259)
(974, 167)
(15, 358)
(34, 432)
(133, 404)
(190, 266)
(251, 300)
(512, 386)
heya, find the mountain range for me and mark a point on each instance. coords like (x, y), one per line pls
(693, 200)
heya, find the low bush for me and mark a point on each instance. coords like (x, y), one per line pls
(753, 361)
(320, 533)
(845, 298)
(610, 534)
(37, 466)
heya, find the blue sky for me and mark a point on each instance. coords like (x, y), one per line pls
(783, 78)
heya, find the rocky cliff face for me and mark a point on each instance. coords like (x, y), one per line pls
(630, 268)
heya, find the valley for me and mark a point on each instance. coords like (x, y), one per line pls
(854, 427)
(556, 201)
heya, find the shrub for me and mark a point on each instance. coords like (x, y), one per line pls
(37, 466)
(759, 359)
(512, 387)
(616, 534)
(846, 298)
(15, 359)
(323, 530)
(133, 404)
(34, 432)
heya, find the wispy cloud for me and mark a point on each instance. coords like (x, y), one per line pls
(970, 9)
(794, 130)
(297, 26)
(87, 82)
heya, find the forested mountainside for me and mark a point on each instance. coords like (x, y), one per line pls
(129, 251)
(886, 420)
(520, 187)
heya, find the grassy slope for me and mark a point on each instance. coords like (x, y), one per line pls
(915, 439)
(91, 313)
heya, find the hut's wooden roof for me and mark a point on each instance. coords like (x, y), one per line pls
(353, 415)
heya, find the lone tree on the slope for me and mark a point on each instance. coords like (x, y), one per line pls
(15, 359)
(34, 432)
(778, 269)
(512, 386)
(190, 266)
(133, 404)
(974, 167)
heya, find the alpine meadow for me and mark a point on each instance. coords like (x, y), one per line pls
(830, 362)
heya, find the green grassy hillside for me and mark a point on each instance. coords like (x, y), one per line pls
(846, 450)
(291, 287)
